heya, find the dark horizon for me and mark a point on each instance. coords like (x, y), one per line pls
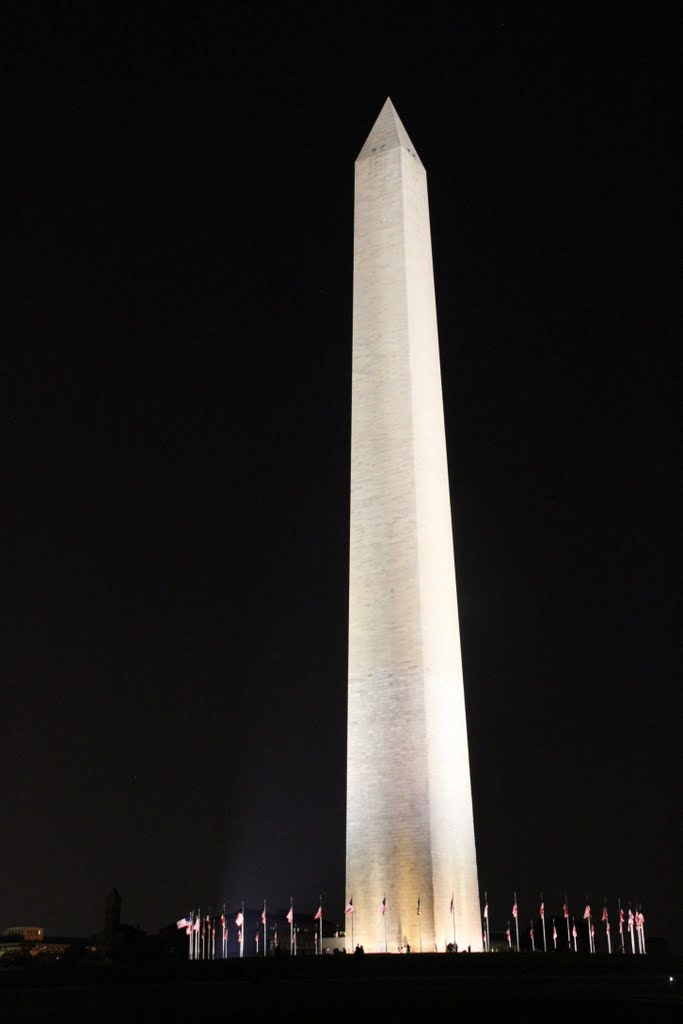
(177, 373)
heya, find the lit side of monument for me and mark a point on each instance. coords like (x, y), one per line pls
(409, 818)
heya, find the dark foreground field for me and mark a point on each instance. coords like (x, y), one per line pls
(427, 987)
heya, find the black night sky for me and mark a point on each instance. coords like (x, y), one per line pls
(176, 369)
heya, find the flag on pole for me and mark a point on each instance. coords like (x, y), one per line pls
(349, 907)
(184, 922)
(418, 906)
(565, 910)
(509, 937)
(451, 910)
(383, 906)
(290, 914)
(486, 911)
(587, 912)
(514, 909)
(604, 913)
(319, 914)
(542, 910)
(239, 920)
(263, 916)
(554, 933)
(621, 920)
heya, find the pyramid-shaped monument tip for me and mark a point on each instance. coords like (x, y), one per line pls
(387, 133)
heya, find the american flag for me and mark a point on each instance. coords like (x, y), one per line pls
(383, 906)
(565, 910)
(486, 911)
(239, 920)
(349, 907)
(587, 912)
(184, 922)
(418, 906)
(542, 910)
(290, 914)
(319, 915)
(514, 909)
(604, 913)
(451, 910)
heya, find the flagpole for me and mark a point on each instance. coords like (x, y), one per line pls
(347, 911)
(554, 934)
(486, 918)
(291, 926)
(621, 926)
(419, 922)
(453, 917)
(516, 916)
(605, 917)
(543, 924)
(565, 911)
(321, 925)
(384, 915)
(531, 933)
(265, 934)
(574, 935)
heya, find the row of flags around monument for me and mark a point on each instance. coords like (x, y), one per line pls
(202, 932)
(636, 921)
(635, 925)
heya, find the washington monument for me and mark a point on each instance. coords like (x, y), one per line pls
(411, 868)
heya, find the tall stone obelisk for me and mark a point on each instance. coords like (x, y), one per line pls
(409, 818)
